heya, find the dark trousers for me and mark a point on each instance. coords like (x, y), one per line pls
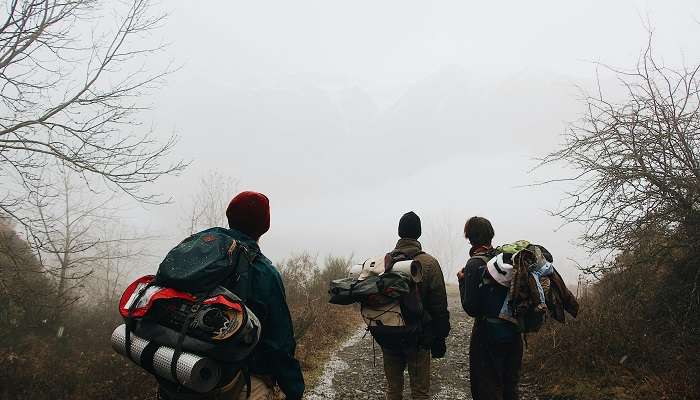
(494, 365)
(396, 361)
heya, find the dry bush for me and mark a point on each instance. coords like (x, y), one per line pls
(637, 336)
(318, 325)
(79, 365)
(82, 365)
(24, 289)
(637, 193)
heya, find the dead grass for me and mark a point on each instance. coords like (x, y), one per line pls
(81, 365)
(35, 365)
(320, 327)
(637, 337)
(315, 349)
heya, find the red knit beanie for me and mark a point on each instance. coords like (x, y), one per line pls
(249, 212)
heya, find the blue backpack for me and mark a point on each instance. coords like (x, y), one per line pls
(205, 264)
(206, 260)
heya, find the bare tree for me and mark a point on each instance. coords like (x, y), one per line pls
(637, 161)
(119, 253)
(447, 243)
(209, 202)
(71, 231)
(71, 79)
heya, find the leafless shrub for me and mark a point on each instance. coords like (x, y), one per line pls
(638, 195)
(306, 286)
(637, 160)
(208, 204)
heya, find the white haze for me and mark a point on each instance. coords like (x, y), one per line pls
(348, 114)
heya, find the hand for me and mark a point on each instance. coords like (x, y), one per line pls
(460, 274)
(438, 348)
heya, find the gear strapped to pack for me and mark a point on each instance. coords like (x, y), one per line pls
(166, 286)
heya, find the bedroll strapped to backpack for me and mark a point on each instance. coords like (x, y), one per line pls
(397, 323)
(390, 304)
(388, 286)
(196, 303)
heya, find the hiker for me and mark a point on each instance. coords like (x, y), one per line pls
(272, 361)
(217, 296)
(416, 352)
(496, 347)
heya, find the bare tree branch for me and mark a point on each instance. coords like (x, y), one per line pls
(637, 161)
(72, 97)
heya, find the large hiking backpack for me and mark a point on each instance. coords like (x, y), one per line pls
(395, 322)
(195, 304)
(523, 294)
(521, 258)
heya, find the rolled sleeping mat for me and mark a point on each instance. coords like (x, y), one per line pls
(410, 267)
(354, 271)
(196, 373)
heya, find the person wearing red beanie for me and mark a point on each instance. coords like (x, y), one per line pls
(272, 361)
(249, 213)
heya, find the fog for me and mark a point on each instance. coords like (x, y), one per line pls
(348, 114)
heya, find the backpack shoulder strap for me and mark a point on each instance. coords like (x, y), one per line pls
(410, 256)
(483, 258)
(242, 258)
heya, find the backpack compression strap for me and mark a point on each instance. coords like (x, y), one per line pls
(181, 337)
(129, 320)
(239, 281)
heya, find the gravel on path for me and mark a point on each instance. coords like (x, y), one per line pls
(354, 370)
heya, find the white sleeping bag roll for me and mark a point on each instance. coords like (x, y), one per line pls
(411, 267)
(197, 373)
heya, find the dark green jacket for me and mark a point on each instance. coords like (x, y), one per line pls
(274, 354)
(432, 291)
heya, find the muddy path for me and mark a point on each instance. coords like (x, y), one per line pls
(355, 371)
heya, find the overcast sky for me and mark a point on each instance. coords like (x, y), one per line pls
(348, 114)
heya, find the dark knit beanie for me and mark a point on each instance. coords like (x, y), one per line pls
(409, 226)
(249, 212)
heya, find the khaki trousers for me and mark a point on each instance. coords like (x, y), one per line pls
(259, 390)
(418, 362)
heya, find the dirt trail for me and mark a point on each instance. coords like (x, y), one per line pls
(354, 372)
